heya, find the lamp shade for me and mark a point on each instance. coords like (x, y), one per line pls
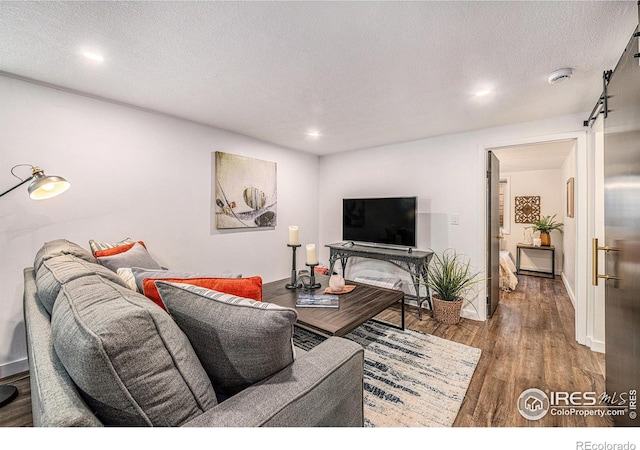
(43, 186)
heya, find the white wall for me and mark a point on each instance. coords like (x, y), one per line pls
(447, 173)
(548, 185)
(134, 174)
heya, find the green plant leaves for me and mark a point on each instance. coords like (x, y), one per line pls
(546, 224)
(449, 275)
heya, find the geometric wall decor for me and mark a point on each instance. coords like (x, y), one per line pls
(527, 209)
(246, 192)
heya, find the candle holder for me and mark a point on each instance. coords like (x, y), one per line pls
(293, 284)
(311, 284)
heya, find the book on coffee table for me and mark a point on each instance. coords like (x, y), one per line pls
(317, 301)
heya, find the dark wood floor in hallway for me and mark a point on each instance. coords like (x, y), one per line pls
(529, 343)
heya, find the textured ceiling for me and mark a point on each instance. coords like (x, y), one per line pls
(361, 73)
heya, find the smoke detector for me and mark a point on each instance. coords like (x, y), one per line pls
(560, 75)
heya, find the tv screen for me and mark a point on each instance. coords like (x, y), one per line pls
(390, 220)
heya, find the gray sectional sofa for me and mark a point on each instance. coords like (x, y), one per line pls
(101, 354)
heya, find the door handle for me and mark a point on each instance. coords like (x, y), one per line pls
(594, 249)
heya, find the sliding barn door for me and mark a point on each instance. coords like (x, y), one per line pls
(622, 235)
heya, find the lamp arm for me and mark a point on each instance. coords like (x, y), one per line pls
(17, 186)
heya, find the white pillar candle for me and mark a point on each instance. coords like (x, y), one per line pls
(311, 254)
(294, 237)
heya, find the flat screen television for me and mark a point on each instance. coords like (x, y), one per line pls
(387, 220)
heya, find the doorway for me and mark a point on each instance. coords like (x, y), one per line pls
(574, 260)
(538, 177)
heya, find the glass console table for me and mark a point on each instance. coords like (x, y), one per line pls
(412, 261)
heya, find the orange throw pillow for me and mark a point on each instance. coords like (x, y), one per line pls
(241, 287)
(116, 250)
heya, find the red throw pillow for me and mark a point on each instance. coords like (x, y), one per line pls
(242, 287)
(116, 250)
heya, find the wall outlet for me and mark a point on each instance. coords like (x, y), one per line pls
(455, 219)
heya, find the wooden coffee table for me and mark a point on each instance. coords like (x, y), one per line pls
(356, 307)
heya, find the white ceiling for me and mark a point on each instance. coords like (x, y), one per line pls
(361, 73)
(538, 156)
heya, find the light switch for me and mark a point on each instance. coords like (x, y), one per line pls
(455, 219)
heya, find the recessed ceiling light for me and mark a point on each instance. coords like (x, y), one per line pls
(483, 92)
(313, 134)
(93, 56)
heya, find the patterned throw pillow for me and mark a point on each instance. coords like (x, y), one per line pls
(97, 246)
(250, 288)
(238, 341)
(126, 275)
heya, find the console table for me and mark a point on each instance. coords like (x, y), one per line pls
(412, 261)
(550, 249)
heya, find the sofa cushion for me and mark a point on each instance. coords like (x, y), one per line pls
(250, 288)
(136, 256)
(132, 364)
(140, 274)
(60, 247)
(238, 341)
(55, 272)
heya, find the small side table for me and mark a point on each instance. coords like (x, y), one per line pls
(537, 273)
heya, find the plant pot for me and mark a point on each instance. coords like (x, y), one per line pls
(447, 312)
(545, 239)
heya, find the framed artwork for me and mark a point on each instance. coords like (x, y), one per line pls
(527, 209)
(570, 199)
(245, 192)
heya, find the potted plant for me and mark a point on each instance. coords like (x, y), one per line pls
(545, 225)
(449, 277)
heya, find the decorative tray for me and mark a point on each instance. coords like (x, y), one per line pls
(346, 289)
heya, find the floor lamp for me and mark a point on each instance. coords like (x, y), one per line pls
(40, 188)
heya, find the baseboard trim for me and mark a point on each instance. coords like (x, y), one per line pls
(572, 297)
(12, 368)
(595, 345)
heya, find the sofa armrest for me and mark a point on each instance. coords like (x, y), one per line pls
(323, 387)
(55, 402)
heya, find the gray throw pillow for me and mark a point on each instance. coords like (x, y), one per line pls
(60, 247)
(239, 341)
(136, 256)
(131, 363)
(55, 272)
(140, 274)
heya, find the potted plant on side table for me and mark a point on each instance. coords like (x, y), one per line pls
(449, 277)
(545, 225)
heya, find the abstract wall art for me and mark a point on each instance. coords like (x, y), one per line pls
(246, 192)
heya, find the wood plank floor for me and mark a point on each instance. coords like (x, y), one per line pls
(529, 343)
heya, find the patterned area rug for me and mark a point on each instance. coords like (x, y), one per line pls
(411, 379)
